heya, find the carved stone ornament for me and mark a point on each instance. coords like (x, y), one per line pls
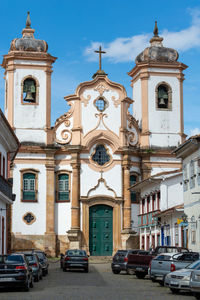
(29, 218)
(101, 88)
(66, 136)
(132, 130)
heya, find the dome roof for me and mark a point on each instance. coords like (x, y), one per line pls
(156, 52)
(28, 42)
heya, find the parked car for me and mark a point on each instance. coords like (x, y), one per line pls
(139, 263)
(43, 260)
(195, 283)
(35, 265)
(15, 271)
(75, 259)
(41, 256)
(120, 259)
(165, 263)
(180, 280)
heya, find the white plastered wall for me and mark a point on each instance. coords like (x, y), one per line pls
(164, 125)
(90, 121)
(30, 116)
(63, 210)
(37, 208)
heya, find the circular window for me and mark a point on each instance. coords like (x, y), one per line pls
(101, 104)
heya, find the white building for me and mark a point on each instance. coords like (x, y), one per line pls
(161, 204)
(190, 154)
(8, 148)
(75, 176)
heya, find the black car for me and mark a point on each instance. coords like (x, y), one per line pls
(74, 259)
(43, 260)
(120, 259)
(15, 271)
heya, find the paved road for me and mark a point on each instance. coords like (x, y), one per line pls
(98, 284)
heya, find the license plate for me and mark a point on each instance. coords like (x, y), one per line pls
(75, 265)
(139, 269)
(7, 279)
(117, 266)
(173, 282)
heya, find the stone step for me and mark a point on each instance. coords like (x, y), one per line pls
(100, 259)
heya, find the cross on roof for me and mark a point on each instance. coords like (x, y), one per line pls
(100, 52)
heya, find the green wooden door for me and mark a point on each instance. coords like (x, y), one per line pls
(101, 230)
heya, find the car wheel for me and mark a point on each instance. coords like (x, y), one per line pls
(130, 271)
(47, 271)
(140, 275)
(174, 291)
(41, 276)
(31, 284)
(161, 283)
(153, 280)
(116, 271)
(36, 278)
(27, 286)
(64, 269)
(86, 270)
(197, 295)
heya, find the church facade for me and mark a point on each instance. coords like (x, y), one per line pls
(72, 180)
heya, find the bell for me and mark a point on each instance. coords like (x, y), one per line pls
(30, 89)
(162, 102)
(29, 97)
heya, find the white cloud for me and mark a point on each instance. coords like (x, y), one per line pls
(124, 49)
(194, 131)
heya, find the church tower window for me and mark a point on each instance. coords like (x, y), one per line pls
(29, 90)
(163, 96)
(63, 187)
(101, 156)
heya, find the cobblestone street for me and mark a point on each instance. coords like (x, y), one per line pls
(98, 284)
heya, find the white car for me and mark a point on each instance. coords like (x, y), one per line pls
(180, 280)
(195, 283)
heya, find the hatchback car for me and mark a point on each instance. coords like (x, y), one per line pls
(15, 271)
(120, 260)
(180, 280)
(35, 265)
(43, 260)
(75, 259)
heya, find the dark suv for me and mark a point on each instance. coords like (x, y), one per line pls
(120, 260)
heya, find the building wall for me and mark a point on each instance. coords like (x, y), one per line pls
(192, 200)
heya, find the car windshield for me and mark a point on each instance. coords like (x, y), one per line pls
(31, 258)
(11, 259)
(40, 255)
(76, 253)
(194, 265)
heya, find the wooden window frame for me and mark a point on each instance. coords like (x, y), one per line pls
(35, 172)
(57, 185)
(4, 167)
(158, 200)
(136, 195)
(0, 164)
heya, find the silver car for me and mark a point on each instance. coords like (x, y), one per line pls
(180, 280)
(195, 283)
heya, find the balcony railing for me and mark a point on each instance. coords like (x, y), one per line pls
(6, 187)
(147, 218)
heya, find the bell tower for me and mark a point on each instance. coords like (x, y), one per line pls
(157, 81)
(28, 69)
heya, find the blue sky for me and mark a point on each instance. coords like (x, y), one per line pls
(73, 29)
